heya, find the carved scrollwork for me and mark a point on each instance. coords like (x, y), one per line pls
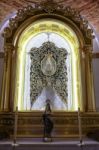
(13, 23)
(7, 32)
(77, 18)
(49, 7)
(90, 33)
(20, 15)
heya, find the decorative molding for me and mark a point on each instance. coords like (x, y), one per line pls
(65, 124)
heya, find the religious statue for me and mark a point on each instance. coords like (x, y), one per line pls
(48, 123)
(48, 69)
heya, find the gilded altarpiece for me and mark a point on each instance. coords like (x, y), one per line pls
(50, 69)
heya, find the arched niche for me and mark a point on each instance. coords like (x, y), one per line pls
(68, 24)
(60, 29)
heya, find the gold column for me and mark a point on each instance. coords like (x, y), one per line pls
(90, 98)
(8, 50)
(3, 84)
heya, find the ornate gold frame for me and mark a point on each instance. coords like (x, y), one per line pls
(47, 9)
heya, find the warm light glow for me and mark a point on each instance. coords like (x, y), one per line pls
(64, 31)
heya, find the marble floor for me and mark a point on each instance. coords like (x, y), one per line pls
(56, 144)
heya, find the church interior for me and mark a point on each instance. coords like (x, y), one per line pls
(49, 74)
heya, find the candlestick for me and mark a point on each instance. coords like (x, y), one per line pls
(80, 126)
(15, 125)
